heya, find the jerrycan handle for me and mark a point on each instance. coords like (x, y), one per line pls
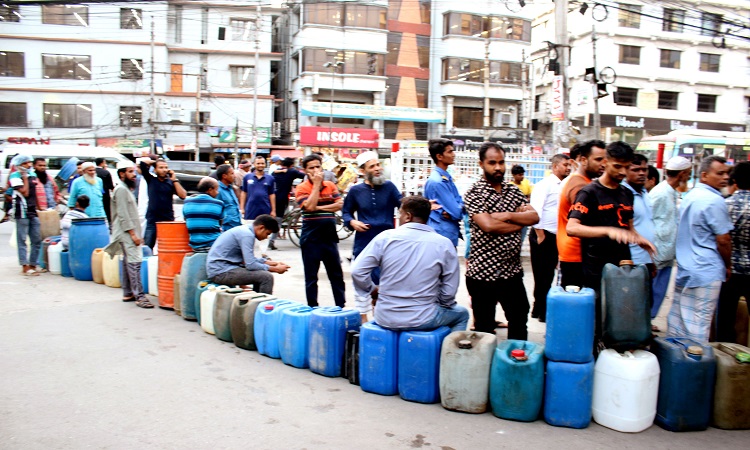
(691, 347)
(729, 349)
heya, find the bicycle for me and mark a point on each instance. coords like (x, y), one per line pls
(292, 222)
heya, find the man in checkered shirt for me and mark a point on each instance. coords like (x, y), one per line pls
(498, 211)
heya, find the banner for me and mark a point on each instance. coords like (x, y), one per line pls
(339, 137)
(557, 105)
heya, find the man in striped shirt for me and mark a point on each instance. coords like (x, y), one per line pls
(202, 214)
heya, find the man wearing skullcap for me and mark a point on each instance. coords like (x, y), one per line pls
(23, 182)
(90, 185)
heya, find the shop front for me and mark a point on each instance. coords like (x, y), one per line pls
(632, 129)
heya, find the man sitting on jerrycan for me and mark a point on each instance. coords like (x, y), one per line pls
(419, 275)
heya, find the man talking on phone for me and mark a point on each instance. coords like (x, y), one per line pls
(161, 188)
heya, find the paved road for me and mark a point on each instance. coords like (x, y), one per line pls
(82, 369)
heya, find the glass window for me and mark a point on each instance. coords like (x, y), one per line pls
(425, 10)
(394, 47)
(469, 117)
(629, 16)
(423, 91)
(747, 100)
(131, 116)
(498, 27)
(130, 19)
(11, 64)
(10, 13)
(710, 24)
(706, 103)
(537, 102)
(391, 90)
(131, 69)
(472, 70)
(67, 115)
(242, 76)
(75, 15)
(423, 51)
(668, 100)
(324, 14)
(673, 20)
(355, 63)
(13, 114)
(626, 96)
(670, 59)
(709, 62)
(364, 16)
(242, 29)
(630, 54)
(67, 67)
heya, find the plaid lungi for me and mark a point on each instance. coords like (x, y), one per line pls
(692, 311)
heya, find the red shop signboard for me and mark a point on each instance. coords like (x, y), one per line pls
(339, 137)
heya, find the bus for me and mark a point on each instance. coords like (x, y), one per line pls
(696, 144)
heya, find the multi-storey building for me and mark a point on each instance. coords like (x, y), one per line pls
(678, 64)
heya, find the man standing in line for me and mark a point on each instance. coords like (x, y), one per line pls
(231, 216)
(498, 210)
(663, 198)
(107, 183)
(318, 240)
(738, 205)
(643, 222)
(373, 202)
(704, 253)
(284, 178)
(23, 182)
(652, 179)
(275, 160)
(126, 235)
(592, 156)
(445, 220)
(545, 199)
(218, 162)
(240, 172)
(47, 194)
(161, 188)
(90, 185)
(202, 214)
(420, 275)
(258, 192)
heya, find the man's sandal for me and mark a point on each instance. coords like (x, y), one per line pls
(129, 299)
(144, 303)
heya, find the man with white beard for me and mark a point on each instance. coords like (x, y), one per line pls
(90, 185)
(373, 202)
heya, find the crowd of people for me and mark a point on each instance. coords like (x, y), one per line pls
(600, 204)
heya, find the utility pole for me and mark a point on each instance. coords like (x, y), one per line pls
(153, 98)
(486, 72)
(560, 128)
(236, 142)
(254, 145)
(199, 80)
(595, 88)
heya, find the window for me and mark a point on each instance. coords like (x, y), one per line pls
(629, 16)
(670, 59)
(498, 27)
(425, 9)
(710, 24)
(10, 13)
(673, 20)
(626, 96)
(131, 69)
(242, 76)
(423, 51)
(176, 18)
(130, 19)
(204, 119)
(709, 62)
(11, 64)
(75, 15)
(13, 114)
(630, 54)
(472, 70)
(394, 48)
(355, 63)
(706, 103)
(537, 102)
(67, 67)
(747, 100)
(67, 116)
(242, 29)
(351, 15)
(469, 117)
(131, 116)
(668, 100)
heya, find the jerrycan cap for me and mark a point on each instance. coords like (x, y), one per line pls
(268, 307)
(464, 343)
(626, 262)
(695, 350)
(572, 289)
(518, 354)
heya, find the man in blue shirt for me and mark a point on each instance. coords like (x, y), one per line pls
(90, 185)
(258, 192)
(373, 202)
(161, 188)
(232, 261)
(440, 188)
(635, 182)
(704, 253)
(203, 214)
(230, 217)
(420, 275)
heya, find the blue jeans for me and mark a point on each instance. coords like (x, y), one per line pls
(149, 237)
(32, 229)
(659, 289)
(456, 318)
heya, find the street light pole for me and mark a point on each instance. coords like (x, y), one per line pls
(334, 67)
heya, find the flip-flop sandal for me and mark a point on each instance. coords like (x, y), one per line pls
(31, 273)
(144, 303)
(128, 299)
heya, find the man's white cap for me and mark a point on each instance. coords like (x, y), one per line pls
(362, 158)
(678, 163)
(125, 164)
(87, 164)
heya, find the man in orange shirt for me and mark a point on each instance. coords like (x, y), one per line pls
(591, 160)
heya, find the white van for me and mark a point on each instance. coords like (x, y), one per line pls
(57, 155)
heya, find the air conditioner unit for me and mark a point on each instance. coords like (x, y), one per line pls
(504, 119)
(276, 129)
(291, 125)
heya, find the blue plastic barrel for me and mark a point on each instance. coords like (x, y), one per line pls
(378, 359)
(419, 364)
(200, 287)
(568, 391)
(570, 325)
(686, 383)
(294, 336)
(86, 235)
(328, 327)
(68, 169)
(266, 327)
(65, 264)
(517, 380)
(193, 269)
(144, 273)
